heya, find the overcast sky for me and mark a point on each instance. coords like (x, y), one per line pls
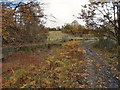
(63, 10)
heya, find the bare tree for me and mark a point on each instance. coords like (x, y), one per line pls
(98, 14)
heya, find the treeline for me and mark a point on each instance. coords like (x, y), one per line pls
(75, 29)
(21, 23)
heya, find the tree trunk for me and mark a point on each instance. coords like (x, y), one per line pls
(118, 39)
(118, 49)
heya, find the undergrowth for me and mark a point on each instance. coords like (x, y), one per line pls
(64, 69)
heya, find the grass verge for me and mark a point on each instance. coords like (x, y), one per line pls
(110, 58)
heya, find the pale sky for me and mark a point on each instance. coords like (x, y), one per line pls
(63, 10)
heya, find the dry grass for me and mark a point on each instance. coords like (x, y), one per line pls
(56, 36)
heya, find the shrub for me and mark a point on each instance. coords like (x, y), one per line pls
(106, 44)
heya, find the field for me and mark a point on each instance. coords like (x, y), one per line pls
(57, 37)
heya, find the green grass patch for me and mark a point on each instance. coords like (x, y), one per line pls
(85, 42)
(57, 36)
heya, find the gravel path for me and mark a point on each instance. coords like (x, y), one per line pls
(101, 75)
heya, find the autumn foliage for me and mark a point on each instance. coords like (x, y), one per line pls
(63, 69)
(23, 24)
(75, 30)
(7, 24)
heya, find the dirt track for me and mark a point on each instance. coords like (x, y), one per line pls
(101, 75)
